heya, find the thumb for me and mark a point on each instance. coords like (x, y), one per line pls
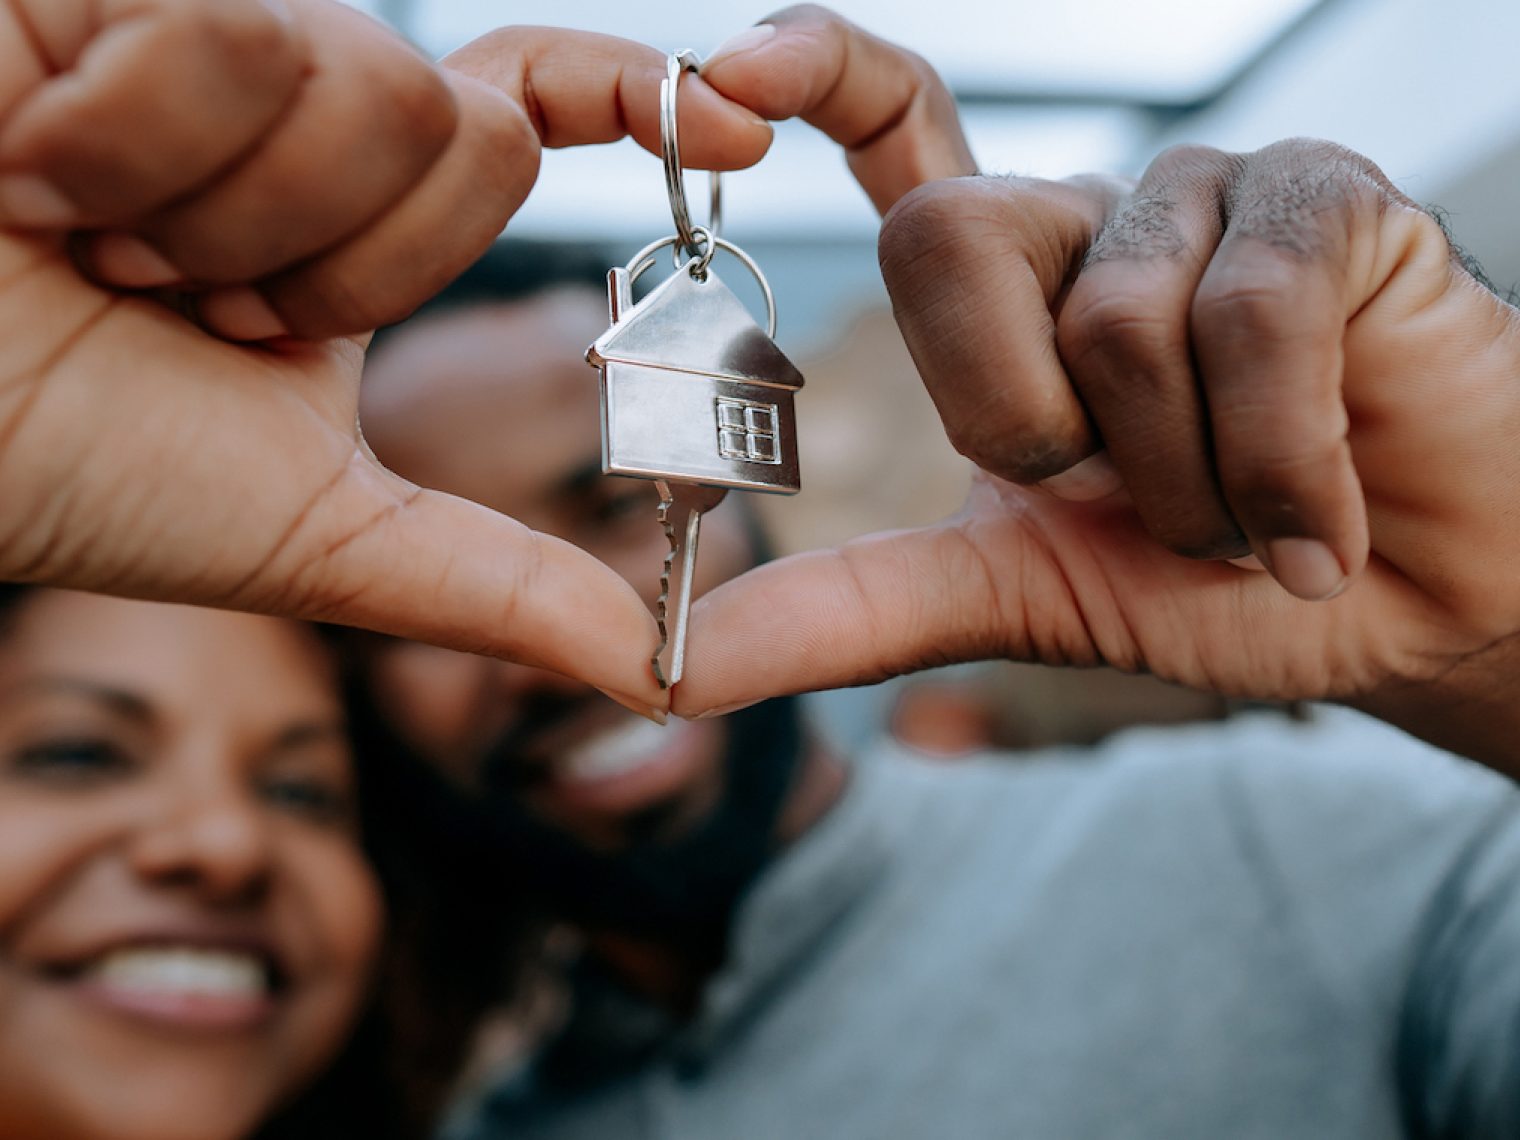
(874, 608)
(436, 568)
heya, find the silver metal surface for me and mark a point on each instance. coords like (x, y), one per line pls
(660, 425)
(682, 506)
(670, 152)
(692, 389)
(639, 264)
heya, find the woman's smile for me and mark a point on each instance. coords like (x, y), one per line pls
(188, 924)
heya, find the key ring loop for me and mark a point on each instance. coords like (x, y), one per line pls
(670, 152)
(641, 261)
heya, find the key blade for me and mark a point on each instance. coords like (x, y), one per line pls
(665, 515)
(684, 569)
(681, 508)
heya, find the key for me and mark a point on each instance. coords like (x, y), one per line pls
(698, 399)
(696, 396)
(682, 506)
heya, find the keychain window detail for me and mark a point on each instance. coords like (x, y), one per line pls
(748, 431)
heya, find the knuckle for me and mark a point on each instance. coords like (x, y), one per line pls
(925, 76)
(1305, 153)
(1183, 162)
(1251, 297)
(933, 217)
(246, 31)
(999, 435)
(1123, 324)
(815, 14)
(1429, 227)
(1145, 228)
(505, 148)
(958, 220)
(1297, 192)
(421, 100)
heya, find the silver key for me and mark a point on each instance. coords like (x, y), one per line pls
(698, 398)
(695, 395)
(680, 514)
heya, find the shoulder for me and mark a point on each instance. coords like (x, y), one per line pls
(1336, 836)
(1328, 761)
(1335, 786)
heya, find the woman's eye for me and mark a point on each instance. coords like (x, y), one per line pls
(312, 799)
(74, 760)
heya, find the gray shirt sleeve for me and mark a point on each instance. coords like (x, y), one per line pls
(1459, 1043)
(1400, 870)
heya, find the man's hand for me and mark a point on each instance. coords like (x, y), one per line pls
(886, 107)
(302, 173)
(1281, 356)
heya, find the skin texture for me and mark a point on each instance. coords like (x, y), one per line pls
(1349, 384)
(170, 775)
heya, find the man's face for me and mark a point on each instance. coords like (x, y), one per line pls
(497, 405)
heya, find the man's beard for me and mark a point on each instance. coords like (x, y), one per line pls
(668, 888)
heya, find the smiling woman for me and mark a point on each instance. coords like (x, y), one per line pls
(193, 889)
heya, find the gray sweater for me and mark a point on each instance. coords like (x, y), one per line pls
(1255, 930)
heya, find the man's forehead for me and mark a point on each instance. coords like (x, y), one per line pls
(509, 352)
(467, 400)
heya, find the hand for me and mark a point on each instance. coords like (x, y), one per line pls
(1281, 355)
(141, 455)
(885, 106)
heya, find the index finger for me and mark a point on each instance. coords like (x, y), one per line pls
(885, 105)
(517, 90)
(577, 88)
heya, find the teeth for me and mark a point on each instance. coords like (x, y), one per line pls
(182, 971)
(618, 750)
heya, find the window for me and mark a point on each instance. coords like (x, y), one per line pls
(748, 431)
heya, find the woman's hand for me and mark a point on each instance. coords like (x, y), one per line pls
(179, 174)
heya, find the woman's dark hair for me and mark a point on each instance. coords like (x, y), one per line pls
(449, 953)
(452, 952)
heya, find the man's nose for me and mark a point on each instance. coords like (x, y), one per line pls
(212, 836)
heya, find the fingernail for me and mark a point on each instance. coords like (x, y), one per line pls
(1249, 562)
(1095, 477)
(123, 259)
(241, 314)
(1306, 568)
(712, 714)
(747, 40)
(633, 705)
(27, 200)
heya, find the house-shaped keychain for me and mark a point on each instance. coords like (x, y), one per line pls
(693, 389)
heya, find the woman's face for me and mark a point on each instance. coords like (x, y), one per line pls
(187, 922)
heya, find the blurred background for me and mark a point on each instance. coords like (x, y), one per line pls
(1430, 91)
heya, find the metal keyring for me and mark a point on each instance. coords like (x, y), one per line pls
(641, 261)
(670, 151)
